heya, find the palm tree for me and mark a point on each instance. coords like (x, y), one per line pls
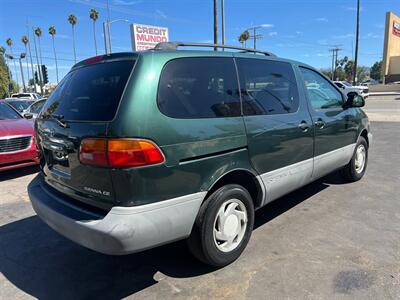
(244, 37)
(73, 20)
(94, 15)
(9, 43)
(25, 41)
(38, 33)
(2, 50)
(52, 32)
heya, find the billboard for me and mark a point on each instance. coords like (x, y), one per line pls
(391, 49)
(145, 37)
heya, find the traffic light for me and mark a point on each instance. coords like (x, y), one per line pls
(45, 75)
(37, 78)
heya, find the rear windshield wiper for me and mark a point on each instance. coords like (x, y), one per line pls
(59, 119)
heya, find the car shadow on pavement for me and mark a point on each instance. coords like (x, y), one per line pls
(45, 265)
(15, 173)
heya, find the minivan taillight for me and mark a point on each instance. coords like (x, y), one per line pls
(119, 153)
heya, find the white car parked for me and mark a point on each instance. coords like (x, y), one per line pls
(33, 96)
(350, 90)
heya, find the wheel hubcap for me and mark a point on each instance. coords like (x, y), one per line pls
(230, 225)
(360, 158)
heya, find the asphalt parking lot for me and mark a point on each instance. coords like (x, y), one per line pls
(328, 240)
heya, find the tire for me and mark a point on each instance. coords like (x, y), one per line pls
(353, 171)
(204, 242)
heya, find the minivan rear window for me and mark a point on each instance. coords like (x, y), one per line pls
(90, 93)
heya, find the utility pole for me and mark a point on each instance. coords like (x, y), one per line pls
(255, 36)
(30, 57)
(357, 38)
(215, 23)
(108, 27)
(22, 55)
(105, 37)
(223, 21)
(335, 54)
(38, 65)
(333, 61)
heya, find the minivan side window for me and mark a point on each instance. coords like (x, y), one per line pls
(200, 87)
(267, 87)
(321, 93)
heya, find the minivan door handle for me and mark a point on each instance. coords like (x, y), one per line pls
(304, 126)
(320, 123)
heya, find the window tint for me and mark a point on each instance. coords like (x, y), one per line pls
(268, 87)
(7, 112)
(36, 107)
(90, 93)
(19, 105)
(321, 93)
(199, 88)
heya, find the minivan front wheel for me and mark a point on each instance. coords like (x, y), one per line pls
(355, 169)
(223, 226)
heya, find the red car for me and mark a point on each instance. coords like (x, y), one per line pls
(17, 143)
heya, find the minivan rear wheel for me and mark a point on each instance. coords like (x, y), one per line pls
(356, 168)
(223, 226)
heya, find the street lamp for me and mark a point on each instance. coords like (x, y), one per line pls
(22, 56)
(107, 33)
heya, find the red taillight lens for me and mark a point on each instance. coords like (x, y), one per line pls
(94, 152)
(94, 59)
(133, 153)
(120, 153)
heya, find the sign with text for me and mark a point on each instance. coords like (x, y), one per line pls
(396, 28)
(145, 37)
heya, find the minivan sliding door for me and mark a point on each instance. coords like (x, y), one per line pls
(278, 125)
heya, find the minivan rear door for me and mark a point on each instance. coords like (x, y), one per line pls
(81, 106)
(278, 124)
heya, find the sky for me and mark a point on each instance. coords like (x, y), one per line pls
(300, 30)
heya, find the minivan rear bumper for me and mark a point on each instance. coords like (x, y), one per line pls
(122, 230)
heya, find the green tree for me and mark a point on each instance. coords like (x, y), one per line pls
(5, 80)
(362, 73)
(349, 69)
(326, 72)
(94, 15)
(244, 37)
(52, 32)
(73, 20)
(376, 71)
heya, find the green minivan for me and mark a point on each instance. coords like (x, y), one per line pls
(145, 148)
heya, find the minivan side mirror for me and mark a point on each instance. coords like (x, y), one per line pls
(355, 101)
(28, 116)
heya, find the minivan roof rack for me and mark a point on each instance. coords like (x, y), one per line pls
(175, 45)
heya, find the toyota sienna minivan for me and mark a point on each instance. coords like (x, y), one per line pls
(145, 148)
